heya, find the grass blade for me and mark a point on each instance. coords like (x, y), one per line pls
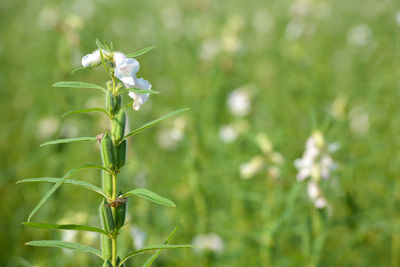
(141, 51)
(63, 244)
(76, 84)
(74, 227)
(85, 68)
(150, 248)
(84, 111)
(155, 255)
(151, 196)
(68, 181)
(59, 183)
(70, 140)
(149, 124)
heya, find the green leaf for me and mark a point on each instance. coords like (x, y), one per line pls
(76, 84)
(70, 140)
(100, 45)
(63, 244)
(85, 68)
(74, 227)
(150, 248)
(149, 195)
(68, 181)
(141, 51)
(59, 183)
(142, 91)
(84, 111)
(149, 124)
(155, 255)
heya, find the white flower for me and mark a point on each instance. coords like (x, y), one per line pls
(210, 241)
(239, 102)
(249, 169)
(125, 70)
(313, 190)
(93, 58)
(228, 133)
(359, 35)
(320, 203)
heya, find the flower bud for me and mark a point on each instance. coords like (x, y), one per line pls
(113, 102)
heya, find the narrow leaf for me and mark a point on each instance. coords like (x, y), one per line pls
(63, 244)
(149, 195)
(142, 91)
(70, 140)
(100, 45)
(68, 181)
(74, 227)
(85, 68)
(141, 51)
(59, 183)
(149, 124)
(155, 255)
(76, 84)
(84, 111)
(146, 249)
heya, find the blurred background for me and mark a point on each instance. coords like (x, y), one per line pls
(260, 77)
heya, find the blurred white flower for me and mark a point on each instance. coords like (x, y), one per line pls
(300, 8)
(211, 242)
(359, 35)
(168, 138)
(209, 49)
(70, 129)
(313, 190)
(239, 102)
(316, 161)
(84, 8)
(138, 237)
(294, 29)
(249, 169)
(172, 17)
(320, 203)
(47, 127)
(228, 133)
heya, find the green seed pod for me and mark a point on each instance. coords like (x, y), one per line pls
(107, 152)
(120, 154)
(107, 217)
(112, 102)
(105, 241)
(120, 213)
(106, 181)
(118, 126)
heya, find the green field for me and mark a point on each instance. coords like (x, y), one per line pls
(295, 67)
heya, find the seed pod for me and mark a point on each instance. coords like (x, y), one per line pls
(112, 102)
(107, 217)
(106, 182)
(118, 126)
(120, 213)
(105, 241)
(120, 154)
(107, 152)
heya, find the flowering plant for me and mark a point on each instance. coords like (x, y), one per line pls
(122, 70)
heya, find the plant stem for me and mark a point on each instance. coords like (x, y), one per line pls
(114, 250)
